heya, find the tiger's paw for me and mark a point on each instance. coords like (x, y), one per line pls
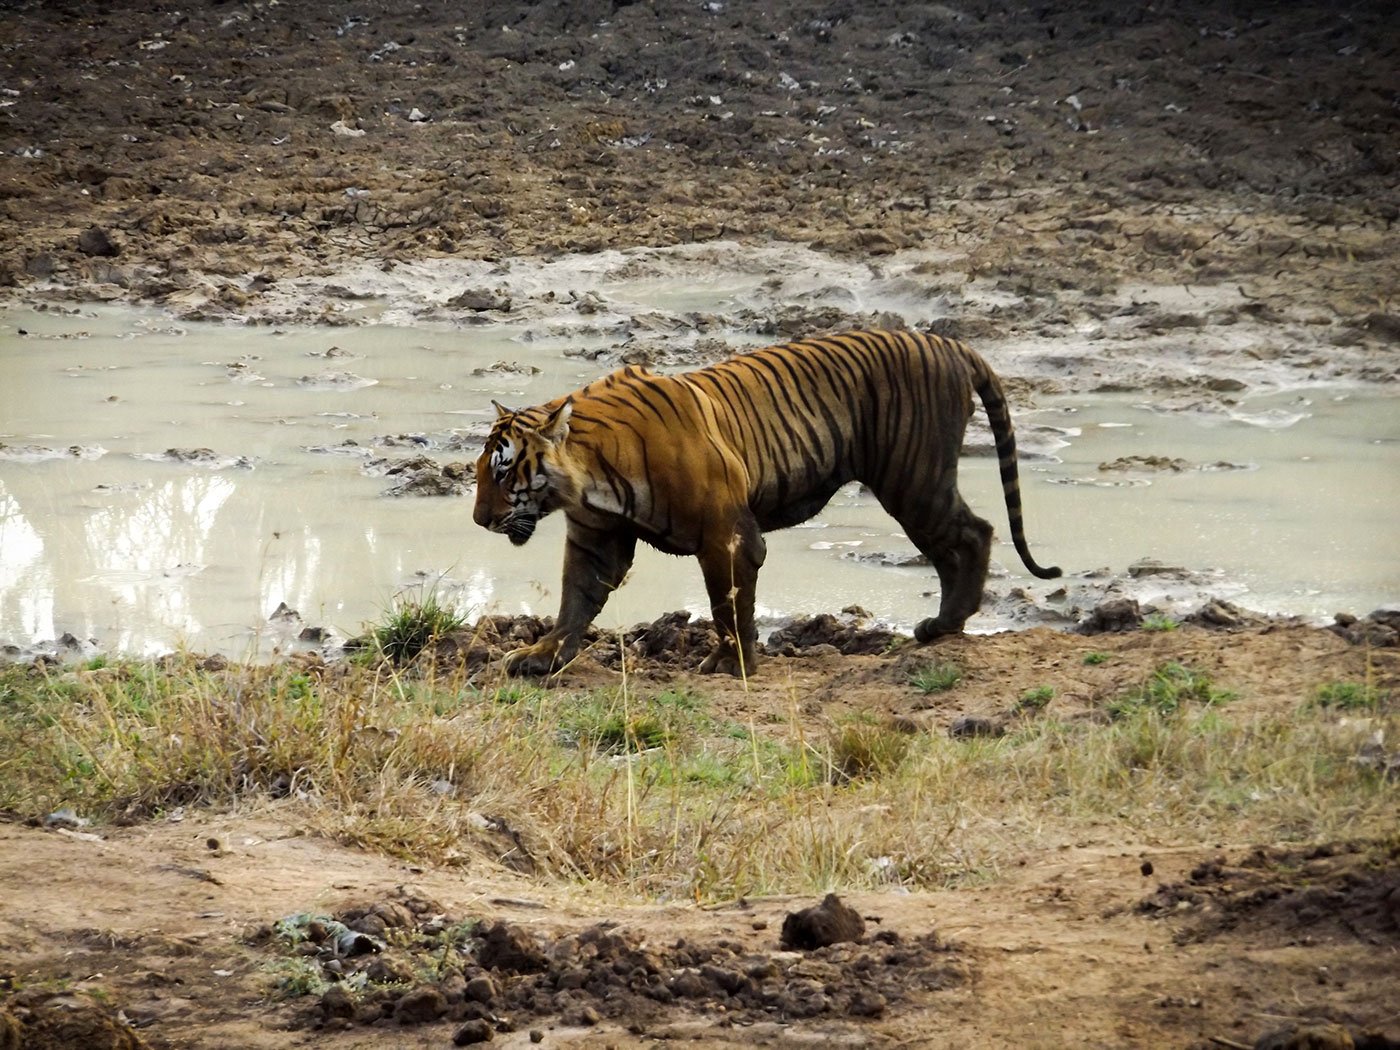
(726, 661)
(935, 627)
(533, 661)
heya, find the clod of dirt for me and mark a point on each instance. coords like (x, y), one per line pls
(975, 726)
(1347, 892)
(421, 476)
(1146, 463)
(1307, 1037)
(473, 1032)
(97, 242)
(479, 300)
(512, 950)
(1380, 629)
(420, 1006)
(830, 922)
(1114, 615)
(846, 633)
(1219, 614)
(337, 1002)
(63, 1022)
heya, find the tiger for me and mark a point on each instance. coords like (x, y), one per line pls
(705, 462)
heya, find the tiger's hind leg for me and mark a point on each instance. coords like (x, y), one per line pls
(959, 544)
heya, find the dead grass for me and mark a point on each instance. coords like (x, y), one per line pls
(651, 792)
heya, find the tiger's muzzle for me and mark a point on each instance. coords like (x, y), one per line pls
(517, 527)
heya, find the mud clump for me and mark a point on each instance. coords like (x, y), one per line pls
(846, 634)
(511, 950)
(1112, 616)
(63, 1022)
(1380, 629)
(1341, 892)
(830, 922)
(493, 976)
(421, 476)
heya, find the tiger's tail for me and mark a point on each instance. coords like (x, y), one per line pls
(993, 399)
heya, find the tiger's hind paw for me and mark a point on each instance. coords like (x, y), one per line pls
(935, 627)
(724, 661)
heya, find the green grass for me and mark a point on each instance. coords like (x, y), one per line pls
(1160, 623)
(935, 677)
(412, 625)
(1348, 696)
(1095, 658)
(1167, 690)
(655, 793)
(1035, 699)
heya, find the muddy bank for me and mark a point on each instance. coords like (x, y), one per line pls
(204, 156)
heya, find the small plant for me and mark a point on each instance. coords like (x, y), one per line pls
(1160, 622)
(863, 749)
(1348, 696)
(412, 625)
(1095, 658)
(1170, 688)
(296, 976)
(935, 678)
(1035, 699)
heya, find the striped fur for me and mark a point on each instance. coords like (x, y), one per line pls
(705, 462)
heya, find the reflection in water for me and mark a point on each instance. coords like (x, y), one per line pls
(26, 595)
(143, 551)
(147, 553)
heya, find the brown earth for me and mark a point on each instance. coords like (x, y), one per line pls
(187, 155)
(1110, 939)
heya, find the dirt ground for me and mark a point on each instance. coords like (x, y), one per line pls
(201, 156)
(1112, 939)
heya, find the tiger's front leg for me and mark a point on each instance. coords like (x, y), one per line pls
(595, 562)
(730, 564)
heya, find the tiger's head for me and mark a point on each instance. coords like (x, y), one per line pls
(522, 473)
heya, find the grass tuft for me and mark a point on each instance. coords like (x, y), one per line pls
(412, 625)
(935, 677)
(1034, 699)
(1168, 690)
(1348, 696)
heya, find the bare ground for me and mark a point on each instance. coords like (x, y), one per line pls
(1114, 938)
(187, 155)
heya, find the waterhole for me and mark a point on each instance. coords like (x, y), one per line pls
(168, 483)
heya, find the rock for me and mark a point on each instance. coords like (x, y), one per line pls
(1220, 614)
(337, 1002)
(477, 1031)
(975, 725)
(1380, 630)
(1318, 1036)
(420, 1006)
(830, 922)
(479, 300)
(1153, 567)
(95, 241)
(481, 989)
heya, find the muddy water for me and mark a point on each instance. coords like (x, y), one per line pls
(1284, 502)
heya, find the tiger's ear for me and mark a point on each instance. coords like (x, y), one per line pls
(556, 428)
(501, 410)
